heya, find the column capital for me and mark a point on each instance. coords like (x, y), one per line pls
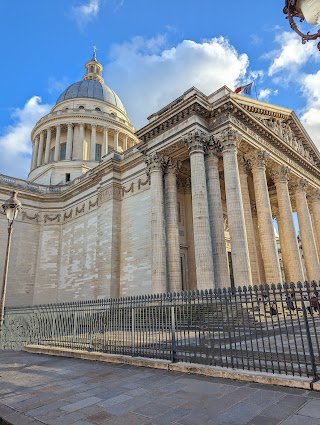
(212, 148)
(82, 124)
(172, 166)
(93, 126)
(258, 159)
(70, 124)
(244, 166)
(280, 173)
(195, 140)
(229, 139)
(154, 162)
(299, 186)
(58, 125)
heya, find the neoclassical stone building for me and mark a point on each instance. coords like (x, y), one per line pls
(186, 202)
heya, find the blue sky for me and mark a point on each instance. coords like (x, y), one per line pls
(151, 53)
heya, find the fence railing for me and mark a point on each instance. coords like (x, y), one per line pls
(273, 329)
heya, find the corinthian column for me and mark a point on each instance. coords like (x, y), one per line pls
(315, 210)
(40, 149)
(48, 143)
(237, 226)
(190, 236)
(307, 237)
(93, 142)
(69, 142)
(247, 210)
(219, 252)
(172, 226)
(201, 225)
(57, 144)
(155, 170)
(116, 140)
(265, 222)
(81, 140)
(35, 153)
(288, 239)
(104, 142)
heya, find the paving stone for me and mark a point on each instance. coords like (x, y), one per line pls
(5, 410)
(82, 403)
(300, 420)
(243, 412)
(263, 420)
(47, 408)
(19, 419)
(311, 409)
(114, 400)
(63, 419)
(129, 419)
(172, 416)
(99, 418)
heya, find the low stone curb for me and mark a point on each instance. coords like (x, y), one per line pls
(213, 371)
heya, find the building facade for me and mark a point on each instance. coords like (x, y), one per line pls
(186, 202)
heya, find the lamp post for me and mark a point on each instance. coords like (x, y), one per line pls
(11, 208)
(306, 10)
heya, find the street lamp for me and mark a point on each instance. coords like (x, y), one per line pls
(306, 10)
(10, 208)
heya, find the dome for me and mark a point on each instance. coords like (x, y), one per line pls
(91, 89)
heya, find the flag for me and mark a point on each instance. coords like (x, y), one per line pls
(244, 89)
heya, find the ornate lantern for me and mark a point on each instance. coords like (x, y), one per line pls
(306, 10)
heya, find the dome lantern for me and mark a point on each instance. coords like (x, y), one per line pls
(94, 68)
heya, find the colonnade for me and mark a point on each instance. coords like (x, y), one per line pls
(42, 144)
(254, 251)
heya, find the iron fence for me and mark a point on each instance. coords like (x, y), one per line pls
(272, 329)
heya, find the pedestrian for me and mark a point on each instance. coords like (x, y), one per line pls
(273, 309)
(314, 302)
(307, 305)
(290, 304)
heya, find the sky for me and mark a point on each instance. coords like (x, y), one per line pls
(151, 52)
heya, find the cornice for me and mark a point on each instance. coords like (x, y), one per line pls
(233, 113)
(169, 120)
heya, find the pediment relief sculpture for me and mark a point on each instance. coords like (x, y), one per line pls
(283, 130)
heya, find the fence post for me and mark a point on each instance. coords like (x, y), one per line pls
(173, 335)
(133, 325)
(310, 345)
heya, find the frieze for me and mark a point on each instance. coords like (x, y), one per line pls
(48, 217)
(93, 204)
(130, 189)
(68, 215)
(80, 210)
(141, 183)
(35, 217)
(111, 192)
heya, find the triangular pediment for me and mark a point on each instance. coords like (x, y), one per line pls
(284, 124)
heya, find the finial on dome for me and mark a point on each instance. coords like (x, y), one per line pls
(93, 68)
(94, 57)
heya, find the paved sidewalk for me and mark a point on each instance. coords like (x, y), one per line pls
(39, 389)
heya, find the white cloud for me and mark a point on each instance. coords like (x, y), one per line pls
(311, 114)
(85, 13)
(15, 144)
(292, 54)
(147, 75)
(264, 94)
